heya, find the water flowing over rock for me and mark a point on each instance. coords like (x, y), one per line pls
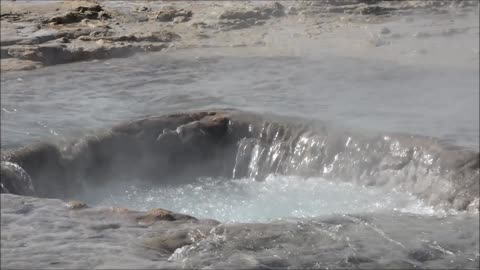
(239, 144)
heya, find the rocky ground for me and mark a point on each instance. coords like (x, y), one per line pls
(40, 33)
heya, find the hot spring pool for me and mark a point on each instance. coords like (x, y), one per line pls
(247, 200)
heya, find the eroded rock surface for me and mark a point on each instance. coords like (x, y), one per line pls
(171, 14)
(33, 35)
(92, 12)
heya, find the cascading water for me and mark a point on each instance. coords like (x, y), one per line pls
(282, 171)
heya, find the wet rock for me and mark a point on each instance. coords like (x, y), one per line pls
(374, 10)
(256, 13)
(85, 38)
(170, 14)
(370, 2)
(123, 38)
(192, 137)
(62, 36)
(364, 7)
(143, 9)
(92, 8)
(102, 226)
(153, 47)
(155, 215)
(159, 214)
(239, 24)
(342, 9)
(356, 260)
(4, 53)
(70, 17)
(11, 16)
(14, 179)
(103, 15)
(75, 205)
(180, 19)
(199, 25)
(169, 243)
(77, 32)
(11, 64)
(61, 52)
(94, 12)
(47, 54)
(95, 33)
(158, 36)
(252, 14)
(63, 40)
(196, 132)
(40, 36)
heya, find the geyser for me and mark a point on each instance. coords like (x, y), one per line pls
(177, 149)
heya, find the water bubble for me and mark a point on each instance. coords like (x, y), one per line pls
(246, 200)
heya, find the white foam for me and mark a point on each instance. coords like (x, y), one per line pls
(246, 200)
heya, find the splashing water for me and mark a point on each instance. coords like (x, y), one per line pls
(247, 200)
